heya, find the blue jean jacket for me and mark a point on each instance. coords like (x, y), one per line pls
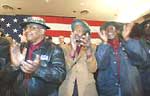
(109, 80)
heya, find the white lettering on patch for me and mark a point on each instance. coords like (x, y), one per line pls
(44, 57)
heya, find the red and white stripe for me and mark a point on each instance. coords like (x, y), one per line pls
(62, 26)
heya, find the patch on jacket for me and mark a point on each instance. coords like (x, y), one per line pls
(44, 57)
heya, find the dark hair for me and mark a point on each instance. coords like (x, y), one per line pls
(142, 26)
(144, 23)
(136, 31)
(117, 25)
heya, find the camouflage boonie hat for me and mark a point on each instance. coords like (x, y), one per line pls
(82, 23)
(35, 20)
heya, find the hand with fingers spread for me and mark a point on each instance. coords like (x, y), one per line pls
(73, 44)
(30, 66)
(127, 30)
(16, 55)
(86, 41)
(103, 36)
(73, 40)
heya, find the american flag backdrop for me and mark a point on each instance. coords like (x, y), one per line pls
(59, 26)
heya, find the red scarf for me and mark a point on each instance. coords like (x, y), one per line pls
(31, 50)
(115, 44)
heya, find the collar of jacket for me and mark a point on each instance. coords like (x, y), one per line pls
(44, 45)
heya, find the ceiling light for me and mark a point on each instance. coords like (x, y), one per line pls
(84, 12)
(47, 1)
(74, 11)
(19, 8)
(7, 7)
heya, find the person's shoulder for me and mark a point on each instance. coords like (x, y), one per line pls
(51, 45)
(4, 41)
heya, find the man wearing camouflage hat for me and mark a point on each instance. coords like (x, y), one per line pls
(40, 64)
(80, 62)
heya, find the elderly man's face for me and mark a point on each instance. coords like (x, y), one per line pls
(33, 32)
(111, 32)
(79, 32)
(81, 37)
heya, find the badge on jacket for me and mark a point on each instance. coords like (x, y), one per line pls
(44, 57)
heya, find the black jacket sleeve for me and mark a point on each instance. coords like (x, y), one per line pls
(55, 71)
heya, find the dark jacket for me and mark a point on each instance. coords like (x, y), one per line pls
(144, 69)
(47, 79)
(4, 51)
(7, 77)
(110, 80)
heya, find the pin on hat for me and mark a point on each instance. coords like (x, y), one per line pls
(35, 20)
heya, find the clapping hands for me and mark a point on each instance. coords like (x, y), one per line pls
(18, 59)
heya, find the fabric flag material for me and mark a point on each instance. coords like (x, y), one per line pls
(60, 26)
(11, 27)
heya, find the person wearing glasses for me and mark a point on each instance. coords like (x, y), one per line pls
(40, 64)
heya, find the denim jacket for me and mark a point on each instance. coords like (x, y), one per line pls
(126, 79)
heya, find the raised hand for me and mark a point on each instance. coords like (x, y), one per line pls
(103, 36)
(30, 66)
(73, 41)
(16, 55)
(127, 30)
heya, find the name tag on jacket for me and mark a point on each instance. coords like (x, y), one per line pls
(44, 57)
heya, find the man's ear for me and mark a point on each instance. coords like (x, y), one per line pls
(42, 31)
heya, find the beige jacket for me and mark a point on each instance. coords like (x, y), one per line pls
(82, 71)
